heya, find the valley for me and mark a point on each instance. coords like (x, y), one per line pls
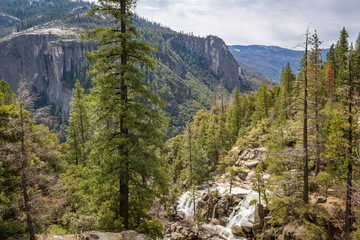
(115, 127)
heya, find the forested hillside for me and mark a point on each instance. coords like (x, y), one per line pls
(281, 162)
(309, 126)
(18, 15)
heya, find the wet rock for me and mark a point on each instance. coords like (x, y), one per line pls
(247, 226)
(321, 199)
(215, 221)
(251, 218)
(236, 230)
(223, 221)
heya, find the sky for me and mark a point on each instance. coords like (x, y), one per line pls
(265, 22)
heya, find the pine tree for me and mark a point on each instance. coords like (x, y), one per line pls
(7, 97)
(305, 122)
(287, 80)
(262, 104)
(128, 118)
(235, 119)
(341, 49)
(316, 94)
(79, 126)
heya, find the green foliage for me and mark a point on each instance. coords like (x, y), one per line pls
(78, 131)
(7, 97)
(288, 209)
(55, 229)
(152, 228)
(11, 227)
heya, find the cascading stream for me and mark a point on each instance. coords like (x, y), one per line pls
(239, 214)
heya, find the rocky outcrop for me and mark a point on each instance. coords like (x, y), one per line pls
(41, 58)
(213, 53)
(250, 158)
(126, 235)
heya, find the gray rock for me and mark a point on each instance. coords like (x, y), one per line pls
(236, 230)
(267, 222)
(247, 226)
(259, 214)
(242, 175)
(126, 235)
(252, 164)
(223, 221)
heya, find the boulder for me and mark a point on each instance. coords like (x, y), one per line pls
(223, 221)
(215, 221)
(252, 164)
(242, 175)
(257, 228)
(247, 226)
(251, 218)
(292, 232)
(259, 214)
(267, 222)
(321, 199)
(236, 230)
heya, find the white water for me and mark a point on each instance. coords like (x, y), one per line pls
(240, 213)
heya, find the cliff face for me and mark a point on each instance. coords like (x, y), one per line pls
(189, 71)
(41, 59)
(213, 52)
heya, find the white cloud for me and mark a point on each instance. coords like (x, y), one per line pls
(268, 22)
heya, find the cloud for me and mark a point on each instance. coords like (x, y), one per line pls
(245, 22)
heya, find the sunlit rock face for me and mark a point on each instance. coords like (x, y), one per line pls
(41, 58)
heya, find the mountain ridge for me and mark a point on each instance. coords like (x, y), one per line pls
(268, 60)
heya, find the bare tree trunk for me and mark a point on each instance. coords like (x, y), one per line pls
(348, 214)
(305, 127)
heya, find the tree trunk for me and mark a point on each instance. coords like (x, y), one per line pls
(305, 127)
(124, 178)
(23, 177)
(348, 214)
(317, 127)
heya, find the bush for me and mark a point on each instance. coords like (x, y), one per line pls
(10, 228)
(152, 228)
(55, 229)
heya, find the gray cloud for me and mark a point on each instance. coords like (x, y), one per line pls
(268, 22)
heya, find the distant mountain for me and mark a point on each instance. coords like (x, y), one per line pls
(268, 60)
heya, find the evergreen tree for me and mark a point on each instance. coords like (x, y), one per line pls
(315, 94)
(79, 127)
(7, 97)
(287, 80)
(305, 122)
(341, 49)
(262, 104)
(235, 119)
(128, 118)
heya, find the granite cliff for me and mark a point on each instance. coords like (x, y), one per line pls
(41, 58)
(190, 69)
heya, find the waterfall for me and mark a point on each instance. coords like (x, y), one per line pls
(239, 214)
(213, 213)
